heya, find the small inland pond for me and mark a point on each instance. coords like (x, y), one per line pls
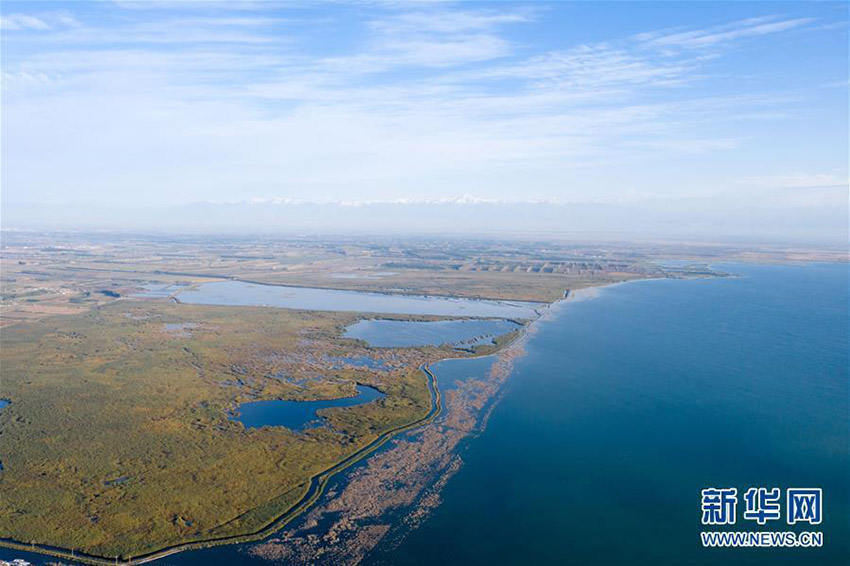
(461, 333)
(296, 415)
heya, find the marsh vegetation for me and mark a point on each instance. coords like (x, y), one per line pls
(125, 391)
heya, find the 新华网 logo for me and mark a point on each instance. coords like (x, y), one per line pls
(803, 505)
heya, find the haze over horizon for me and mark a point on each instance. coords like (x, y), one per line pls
(703, 121)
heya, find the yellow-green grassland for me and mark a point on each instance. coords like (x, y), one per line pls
(119, 438)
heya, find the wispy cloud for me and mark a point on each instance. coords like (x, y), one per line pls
(37, 22)
(712, 36)
(798, 181)
(165, 5)
(436, 38)
(450, 21)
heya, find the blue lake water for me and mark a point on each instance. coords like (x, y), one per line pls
(625, 406)
(296, 415)
(399, 333)
(449, 372)
(239, 293)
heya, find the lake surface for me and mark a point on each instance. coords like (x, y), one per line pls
(296, 415)
(458, 333)
(450, 372)
(239, 293)
(626, 405)
(629, 403)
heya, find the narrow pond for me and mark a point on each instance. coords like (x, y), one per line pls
(457, 333)
(240, 293)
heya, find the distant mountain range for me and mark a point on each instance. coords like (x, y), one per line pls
(691, 219)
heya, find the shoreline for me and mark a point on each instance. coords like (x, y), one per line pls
(366, 495)
(315, 485)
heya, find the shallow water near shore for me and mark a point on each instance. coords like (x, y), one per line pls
(450, 372)
(629, 402)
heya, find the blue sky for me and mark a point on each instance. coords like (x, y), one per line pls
(138, 103)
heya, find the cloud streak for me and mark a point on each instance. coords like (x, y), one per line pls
(37, 22)
(714, 36)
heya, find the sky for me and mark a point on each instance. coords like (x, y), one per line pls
(661, 106)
